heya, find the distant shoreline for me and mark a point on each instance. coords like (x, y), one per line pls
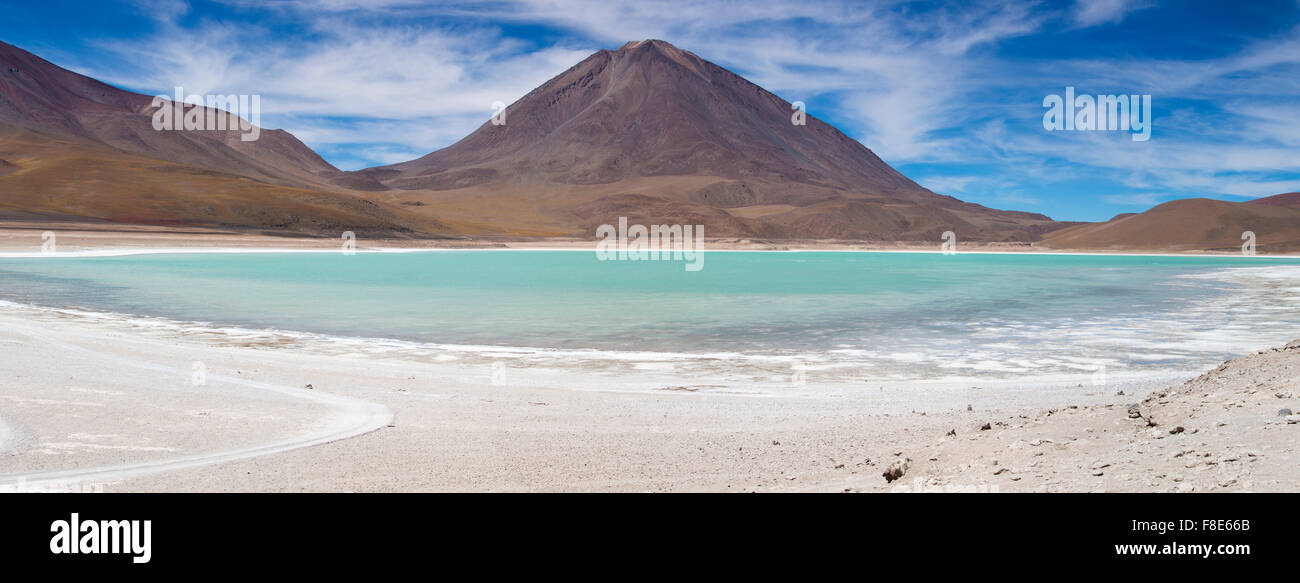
(92, 240)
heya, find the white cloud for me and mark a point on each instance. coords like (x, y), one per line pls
(1097, 12)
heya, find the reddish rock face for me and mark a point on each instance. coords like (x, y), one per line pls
(685, 139)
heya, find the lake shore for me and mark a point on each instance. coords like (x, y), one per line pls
(100, 406)
(18, 237)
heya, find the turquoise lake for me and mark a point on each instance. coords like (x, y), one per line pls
(905, 315)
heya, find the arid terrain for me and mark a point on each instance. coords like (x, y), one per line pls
(1194, 224)
(280, 418)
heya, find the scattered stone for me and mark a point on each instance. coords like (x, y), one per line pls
(1133, 412)
(1001, 471)
(895, 470)
(308, 386)
(1119, 393)
(1176, 430)
(986, 427)
(1283, 412)
(951, 433)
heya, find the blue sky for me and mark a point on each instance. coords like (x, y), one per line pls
(949, 93)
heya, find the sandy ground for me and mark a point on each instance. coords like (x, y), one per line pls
(22, 237)
(94, 406)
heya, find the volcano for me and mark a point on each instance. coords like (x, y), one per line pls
(659, 135)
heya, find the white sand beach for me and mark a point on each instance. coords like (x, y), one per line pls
(94, 405)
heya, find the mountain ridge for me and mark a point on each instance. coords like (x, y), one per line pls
(687, 140)
(1193, 224)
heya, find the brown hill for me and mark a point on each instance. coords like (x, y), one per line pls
(660, 135)
(72, 147)
(1194, 224)
(1290, 199)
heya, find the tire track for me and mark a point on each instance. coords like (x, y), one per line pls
(351, 417)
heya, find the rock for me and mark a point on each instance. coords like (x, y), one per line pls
(986, 427)
(1292, 419)
(1133, 412)
(1283, 412)
(1119, 393)
(895, 470)
(1176, 430)
(308, 386)
(951, 433)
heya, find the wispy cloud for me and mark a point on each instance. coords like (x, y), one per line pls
(1097, 12)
